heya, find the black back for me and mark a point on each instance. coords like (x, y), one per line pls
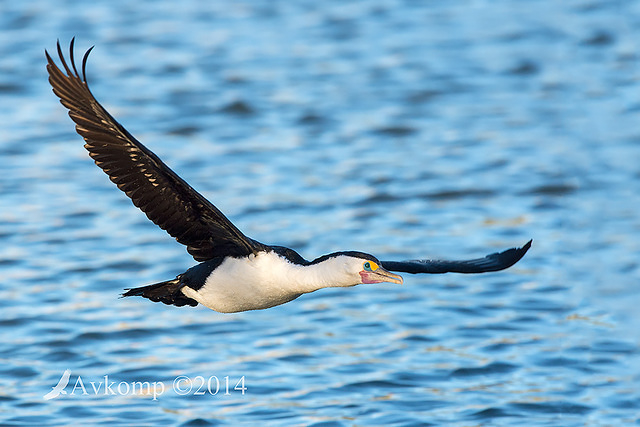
(196, 276)
(354, 254)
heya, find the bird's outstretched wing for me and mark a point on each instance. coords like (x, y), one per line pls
(160, 193)
(494, 262)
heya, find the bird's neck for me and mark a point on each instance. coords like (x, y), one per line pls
(310, 277)
(326, 274)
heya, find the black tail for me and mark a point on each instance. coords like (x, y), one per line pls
(167, 292)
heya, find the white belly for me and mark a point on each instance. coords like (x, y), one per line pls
(239, 284)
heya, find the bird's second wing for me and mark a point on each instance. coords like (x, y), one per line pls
(494, 262)
(159, 192)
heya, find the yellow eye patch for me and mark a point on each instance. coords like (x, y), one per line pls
(370, 266)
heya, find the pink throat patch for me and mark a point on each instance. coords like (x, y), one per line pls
(368, 277)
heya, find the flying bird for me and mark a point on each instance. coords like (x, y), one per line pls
(58, 389)
(234, 272)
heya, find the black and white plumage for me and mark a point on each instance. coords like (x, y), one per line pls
(235, 273)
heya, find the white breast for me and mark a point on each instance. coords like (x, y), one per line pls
(252, 283)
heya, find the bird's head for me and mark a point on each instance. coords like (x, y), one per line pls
(371, 271)
(359, 268)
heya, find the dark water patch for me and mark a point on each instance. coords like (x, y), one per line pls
(30, 404)
(11, 88)
(473, 333)
(368, 326)
(466, 311)
(378, 198)
(5, 262)
(17, 20)
(127, 265)
(270, 414)
(341, 28)
(282, 207)
(525, 319)
(359, 367)
(64, 356)
(418, 378)
(415, 405)
(383, 385)
(525, 67)
(136, 415)
(128, 334)
(446, 195)
(536, 304)
(400, 419)
(501, 327)
(187, 130)
(126, 351)
(328, 424)
(418, 338)
(18, 372)
(565, 362)
(498, 347)
(624, 402)
(83, 270)
(238, 107)
(396, 130)
(312, 119)
(551, 289)
(19, 321)
(201, 422)
(16, 149)
(490, 369)
(31, 420)
(173, 68)
(491, 413)
(599, 38)
(580, 349)
(5, 234)
(616, 347)
(297, 358)
(424, 96)
(75, 412)
(81, 215)
(553, 190)
(4, 398)
(393, 353)
(551, 407)
(592, 6)
(602, 361)
(492, 165)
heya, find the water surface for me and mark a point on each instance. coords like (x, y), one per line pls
(404, 129)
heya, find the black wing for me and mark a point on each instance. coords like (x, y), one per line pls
(163, 196)
(494, 262)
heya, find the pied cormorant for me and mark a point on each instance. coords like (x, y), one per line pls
(235, 273)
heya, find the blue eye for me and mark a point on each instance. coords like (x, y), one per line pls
(367, 266)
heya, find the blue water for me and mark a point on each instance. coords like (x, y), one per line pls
(404, 129)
